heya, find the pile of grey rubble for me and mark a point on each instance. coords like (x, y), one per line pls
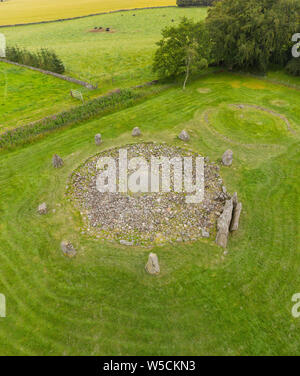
(152, 218)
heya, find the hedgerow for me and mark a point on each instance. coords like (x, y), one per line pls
(43, 59)
(102, 105)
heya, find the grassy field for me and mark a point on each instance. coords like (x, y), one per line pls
(26, 96)
(25, 11)
(106, 60)
(118, 59)
(103, 302)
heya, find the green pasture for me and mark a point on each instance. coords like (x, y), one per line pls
(203, 302)
(118, 59)
(26, 96)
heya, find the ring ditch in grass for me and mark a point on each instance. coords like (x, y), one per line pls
(248, 124)
(146, 218)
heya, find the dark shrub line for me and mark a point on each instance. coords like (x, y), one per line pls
(195, 3)
(43, 58)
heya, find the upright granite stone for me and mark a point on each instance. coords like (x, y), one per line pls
(42, 209)
(236, 217)
(184, 136)
(136, 132)
(152, 266)
(235, 200)
(98, 139)
(224, 224)
(57, 161)
(68, 249)
(227, 158)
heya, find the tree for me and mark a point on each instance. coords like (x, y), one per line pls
(254, 33)
(184, 49)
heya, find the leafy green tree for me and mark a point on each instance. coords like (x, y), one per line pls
(184, 49)
(254, 33)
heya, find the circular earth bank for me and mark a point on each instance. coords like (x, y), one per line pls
(146, 218)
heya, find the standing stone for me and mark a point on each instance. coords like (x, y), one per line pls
(152, 266)
(42, 209)
(227, 158)
(57, 161)
(184, 136)
(68, 249)
(235, 200)
(236, 217)
(136, 132)
(98, 139)
(224, 224)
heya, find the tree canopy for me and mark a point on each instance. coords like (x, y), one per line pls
(183, 49)
(252, 34)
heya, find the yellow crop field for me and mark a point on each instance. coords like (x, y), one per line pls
(25, 11)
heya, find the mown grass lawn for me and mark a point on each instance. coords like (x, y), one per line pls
(120, 59)
(25, 11)
(27, 96)
(103, 302)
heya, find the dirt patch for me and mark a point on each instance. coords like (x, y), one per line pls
(254, 85)
(204, 90)
(106, 30)
(279, 103)
(249, 85)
